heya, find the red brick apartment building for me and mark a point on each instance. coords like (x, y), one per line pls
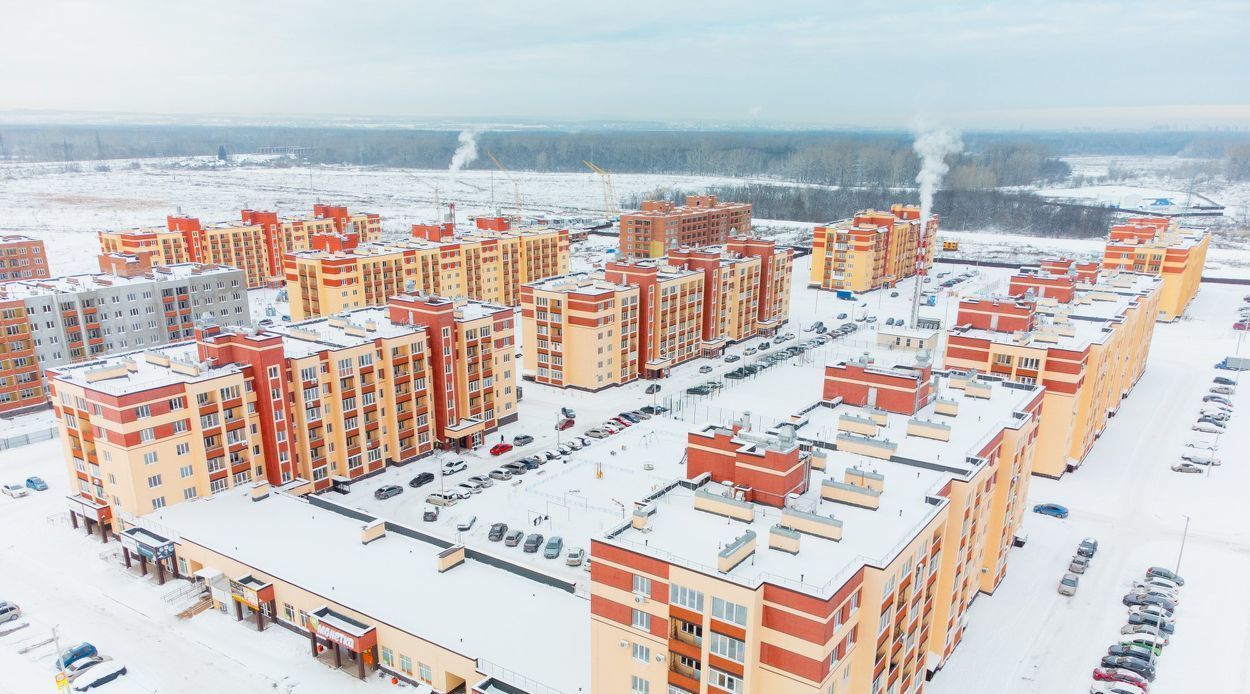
(771, 569)
(22, 258)
(661, 226)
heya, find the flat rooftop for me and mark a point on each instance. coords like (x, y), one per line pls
(473, 609)
(912, 478)
(348, 329)
(130, 372)
(72, 284)
(579, 283)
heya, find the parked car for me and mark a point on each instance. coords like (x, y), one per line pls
(870, 319)
(1114, 688)
(76, 669)
(554, 548)
(429, 514)
(1155, 607)
(9, 611)
(465, 524)
(442, 497)
(36, 483)
(1145, 669)
(551, 454)
(564, 424)
(387, 491)
(1189, 468)
(1145, 631)
(533, 542)
(482, 480)
(497, 531)
(1161, 623)
(564, 449)
(1068, 584)
(841, 316)
(1217, 415)
(69, 655)
(522, 440)
(1160, 572)
(750, 351)
(1079, 564)
(1217, 398)
(1201, 445)
(1131, 651)
(99, 676)
(1088, 547)
(568, 412)
(1213, 422)
(516, 467)
(500, 448)
(1054, 510)
(1222, 390)
(575, 444)
(597, 433)
(501, 474)
(653, 409)
(513, 538)
(1207, 428)
(728, 360)
(1224, 381)
(1169, 594)
(889, 321)
(1200, 457)
(1158, 581)
(422, 478)
(630, 416)
(14, 490)
(575, 556)
(470, 487)
(451, 467)
(1144, 643)
(705, 369)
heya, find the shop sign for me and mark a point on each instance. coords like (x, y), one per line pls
(329, 633)
(244, 594)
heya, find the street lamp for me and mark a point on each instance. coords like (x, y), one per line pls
(1184, 535)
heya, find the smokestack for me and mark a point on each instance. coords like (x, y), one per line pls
(932, 146)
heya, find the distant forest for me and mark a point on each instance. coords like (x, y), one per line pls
(1021, 213)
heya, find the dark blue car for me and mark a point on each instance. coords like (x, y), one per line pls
(1051, 510)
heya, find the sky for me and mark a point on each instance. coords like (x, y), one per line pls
(993, 65)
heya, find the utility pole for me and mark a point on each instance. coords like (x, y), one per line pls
(1184, 535)
(56, 643)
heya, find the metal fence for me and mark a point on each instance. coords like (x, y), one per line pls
(19, 440)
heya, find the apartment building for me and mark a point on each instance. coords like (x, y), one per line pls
(873, 249)
(746, 285)
(64, 320)
(661, 227)
(843, 570)
(592, 322)
(22, 258)
(256, 244)
(1088, 352)
(483, 265)
(1160, 246)
(670, 313)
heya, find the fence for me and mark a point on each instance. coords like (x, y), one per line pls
(19, 440)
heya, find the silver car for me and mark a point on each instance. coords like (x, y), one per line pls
(1068, 584)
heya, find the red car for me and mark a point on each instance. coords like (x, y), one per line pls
(622, 422)
(1111, 674)
(500, 448)
(1241, 325)
(564, 424)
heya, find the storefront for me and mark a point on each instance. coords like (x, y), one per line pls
(146, 546)
(94, 515)
(253, 597)
(332, 635)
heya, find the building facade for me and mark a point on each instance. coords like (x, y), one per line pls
(65, 320)
(670, 313)
(712, 587)
(662, 227)
(1089, 353)
(873, 249)
(256, 244)
(484, 266)
(1160, 246)
(22, 258)
(592, 322)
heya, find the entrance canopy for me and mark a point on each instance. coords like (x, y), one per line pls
(146, 543)
(89, 509)
(251, 591)
(343, 630)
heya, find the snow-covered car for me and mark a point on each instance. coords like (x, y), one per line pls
(1200, 457)
(1207, 428)
(99, 676)
(1188, 467)
(551, 454)
(565, 449)
(574, 444)
(470, 487)
(75, 669)
(1201, 445)
(1223, 390)
(14, 490)
(1145, 630)
(597, 433)
(465, 524)
(481, 480)
(1115, 688)
(584, 441)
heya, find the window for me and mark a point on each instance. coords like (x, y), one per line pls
(405, 664)
(154, 481)
(185, 471)
(158, 502)
(182, 448)
(423, 671)
(148, 434)
(388, 657)
(143, 411)
(288, 611)
(729, 612)
(724, 680)
(188, 493)
(685, 597)
(641, 620)
(1028, 363)
(728, 647)
(638, 685)
(641, 652)
(149, 458)
(642, 585)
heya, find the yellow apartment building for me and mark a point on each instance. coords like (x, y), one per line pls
(873, 249)
(1089, 354)
(1160, 246)
(592, 322)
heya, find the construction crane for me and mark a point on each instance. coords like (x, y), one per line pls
(516, 190)
(609, 194)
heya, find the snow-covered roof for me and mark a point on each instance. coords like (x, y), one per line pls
(73, 284)
(470, 609)
(122, 374)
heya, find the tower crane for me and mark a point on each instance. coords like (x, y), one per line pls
(516, 190)
(609, 194)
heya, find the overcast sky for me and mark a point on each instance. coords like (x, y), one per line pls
(1054, 64)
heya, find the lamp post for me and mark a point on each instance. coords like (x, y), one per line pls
(1184, 535)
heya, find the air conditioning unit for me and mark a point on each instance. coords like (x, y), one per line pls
(639, 599)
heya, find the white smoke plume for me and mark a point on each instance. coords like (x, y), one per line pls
(933, 145)
(466, 153)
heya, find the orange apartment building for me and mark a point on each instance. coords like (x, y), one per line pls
(327, 401)
(873, 249)
(859, 582)
(591, 321)
(1088, 352)
(1160, 246)
(22, 258)
(256, 244)
(662, 227)
(21, 383)
(483, 265)
(670, 313)
(747, 287)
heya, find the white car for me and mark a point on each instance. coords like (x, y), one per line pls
(481, 480)
(1215, 414)
(1152, 610)
(1166, 594)
(1157, 581)
(584, 441)
(1223, 390)
(565, 449)
(465, 524)
(453, 466)
(1201, 445)
(575, 445)
(98, 676)
(76, 668)
(14, 490)
(1207, 428)
(470, 487)
(1115, 688)
(1200, 457)
(1188, 467)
